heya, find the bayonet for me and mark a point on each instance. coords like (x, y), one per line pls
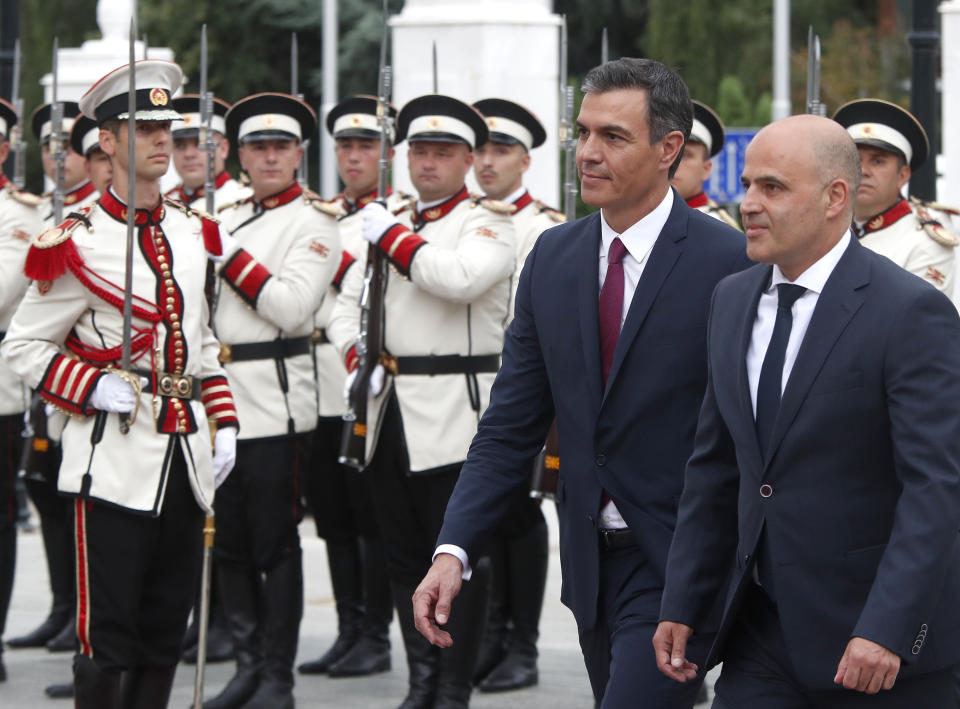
(295, 91)
(568, 141)
(814, 105)
(436, 90)
(357, 434)
(17, 143)
(604, 47)
(55, 144)
(125, 356)
(207, 143)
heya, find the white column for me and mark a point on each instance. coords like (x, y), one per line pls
(485, 49)
(948, 186)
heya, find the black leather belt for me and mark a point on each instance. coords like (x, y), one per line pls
(176, 386)
(617, 538)
(448, 364)
(280, 348)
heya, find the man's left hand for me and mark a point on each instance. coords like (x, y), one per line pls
(867, 667)
(377, 220)
(434, 596)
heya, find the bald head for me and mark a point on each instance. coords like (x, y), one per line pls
(823, 144)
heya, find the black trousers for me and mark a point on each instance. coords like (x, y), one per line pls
(136, 577)
(337, 495)
(409, 507)
(618, 651)
(757, 673)
(258, 506)
(11, 444)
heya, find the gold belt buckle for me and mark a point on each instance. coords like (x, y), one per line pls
(226, 353)
(172, 385)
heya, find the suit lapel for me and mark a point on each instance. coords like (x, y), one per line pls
(666, 250)
(836, 305)
(588, 299)
(742, 336)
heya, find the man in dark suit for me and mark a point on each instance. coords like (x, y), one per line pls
(826, 470)
(609, 337)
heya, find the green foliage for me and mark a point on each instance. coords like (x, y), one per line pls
(732, 102)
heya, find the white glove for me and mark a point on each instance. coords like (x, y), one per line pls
(227, 246)
(377, 219)
(376, 383)
(224, 453)
(114, 394)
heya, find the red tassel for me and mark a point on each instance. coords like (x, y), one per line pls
(51, 263)
(211, 237)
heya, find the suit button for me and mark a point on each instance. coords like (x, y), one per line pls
(746, 558)
(601, 460)
(765, 490)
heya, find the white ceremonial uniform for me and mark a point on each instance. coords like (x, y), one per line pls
(20, 221)
(83, 195)
(228, 191)
(447, 293)
(68, 328)
(331, 372)
(703, 203)
(910, 237)
(531, 218)
(269, 291)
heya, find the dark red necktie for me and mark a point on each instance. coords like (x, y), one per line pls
(610, 314)
(611, 306)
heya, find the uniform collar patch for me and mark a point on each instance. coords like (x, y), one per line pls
(699, 200)
(118, 210)
(887, 217)
(432, 214)
(281, 198)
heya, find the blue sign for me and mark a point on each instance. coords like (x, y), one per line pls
(724, 184)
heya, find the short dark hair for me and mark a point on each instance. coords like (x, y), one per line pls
(668, 100)
(112, 125)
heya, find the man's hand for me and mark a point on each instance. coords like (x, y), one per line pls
(114, 394)
(224, 453)
(670, 647)
(867, 667)
(432, 599)
(376, 383)
(377, 220)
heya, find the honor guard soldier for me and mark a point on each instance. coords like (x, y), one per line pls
(85, 141)
(892, 143)
(519, 551)
(20, 221)
(286, 253)
(706, 140)
(336, 494)
(451, 260)
(79, 190)
(142, 480)
(189, 157)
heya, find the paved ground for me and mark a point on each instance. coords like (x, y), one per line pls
(563, 680)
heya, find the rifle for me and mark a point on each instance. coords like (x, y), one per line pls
(353, 445)
(814, 105)
(17, 143)
(57, 138)
(303, 167)
(568, 140)
(206, 140)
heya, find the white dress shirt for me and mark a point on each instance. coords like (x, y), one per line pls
(639, 239)
(813, 279)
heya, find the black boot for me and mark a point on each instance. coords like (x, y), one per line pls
(240, 593)
(370, 654)
(282, 612)
(146, 687)
(66, 639)
(8, 564)
(493, 645)
(526, 581)
(55, 526)
(423, 659)
(344, 561)
(61, 690)
(458, 661)
(94, 688)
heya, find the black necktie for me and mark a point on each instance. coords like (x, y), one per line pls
(771, 373)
